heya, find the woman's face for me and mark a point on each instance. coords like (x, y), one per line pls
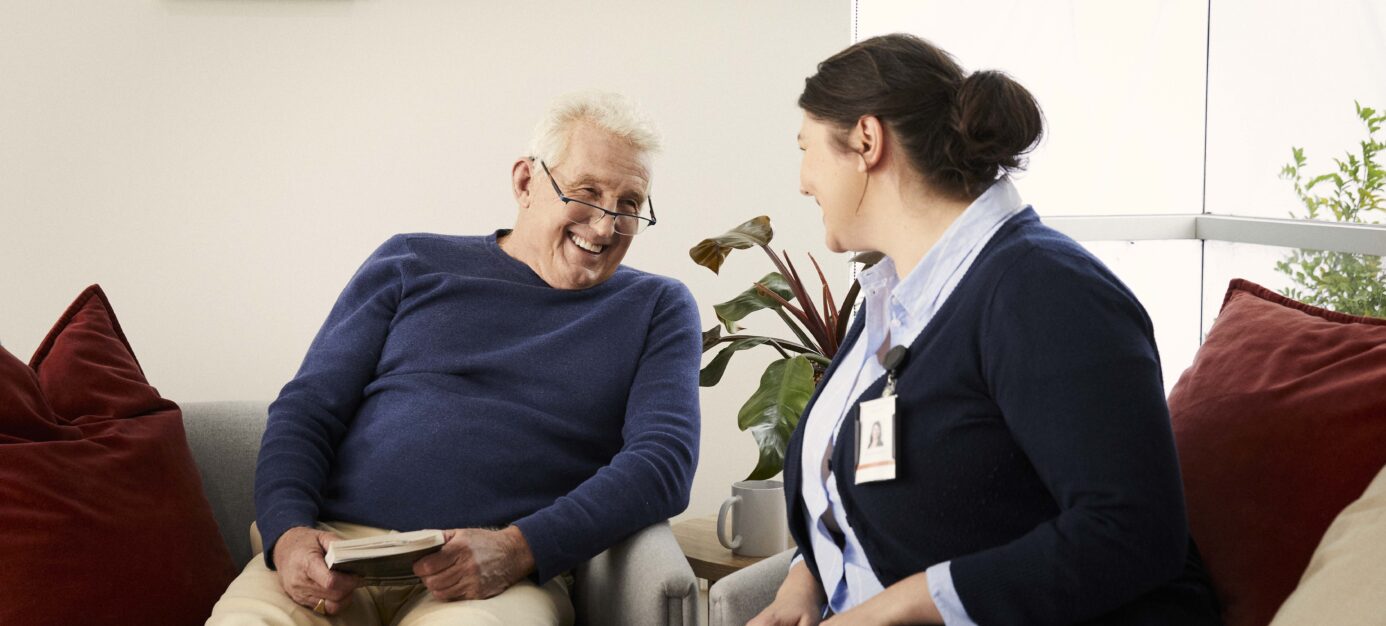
(835, 178)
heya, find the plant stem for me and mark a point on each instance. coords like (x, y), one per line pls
(817, 326)
(775, 343)
(798, 332)
(830, 320)
(788, 345)
(797, 287)
(785, 304)
(845, 312)
(829, 323)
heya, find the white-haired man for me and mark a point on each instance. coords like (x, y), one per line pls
(523, 390)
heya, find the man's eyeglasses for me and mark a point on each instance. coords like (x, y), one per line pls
(628, 224)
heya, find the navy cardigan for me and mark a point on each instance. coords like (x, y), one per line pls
(1033, 450)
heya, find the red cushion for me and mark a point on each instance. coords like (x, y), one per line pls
(102, 512)
(1280, 423)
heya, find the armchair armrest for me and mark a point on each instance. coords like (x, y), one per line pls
(644, 580)
(736, 599)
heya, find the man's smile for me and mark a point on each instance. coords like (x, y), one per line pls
(584, 244)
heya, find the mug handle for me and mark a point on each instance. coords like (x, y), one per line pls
(721, 523)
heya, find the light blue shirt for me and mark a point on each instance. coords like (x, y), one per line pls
(897, 309)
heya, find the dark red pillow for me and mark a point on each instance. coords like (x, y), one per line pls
(102, 515)
(1280, 423)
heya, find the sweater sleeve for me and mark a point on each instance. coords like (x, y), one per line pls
(648, 480)
(314, 410)
(1069, 356)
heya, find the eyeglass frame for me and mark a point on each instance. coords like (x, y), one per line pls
(650, 221)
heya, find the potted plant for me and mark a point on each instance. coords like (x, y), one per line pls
(772, 412)
(1341, 281)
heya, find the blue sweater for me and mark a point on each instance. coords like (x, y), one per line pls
(451, 387)
(1033, 450)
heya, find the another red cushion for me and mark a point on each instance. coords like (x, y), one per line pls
(1280, 423)
(102, 515)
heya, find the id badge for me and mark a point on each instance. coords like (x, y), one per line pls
(876, 440)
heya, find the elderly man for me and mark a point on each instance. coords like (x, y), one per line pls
(522, 390)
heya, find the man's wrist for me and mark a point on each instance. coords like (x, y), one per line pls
(290, 534)
(519, 550)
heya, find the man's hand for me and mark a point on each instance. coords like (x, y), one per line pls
(797, 603)
(298, 555)
(475, 564)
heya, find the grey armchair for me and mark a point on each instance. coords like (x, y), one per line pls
(736, 599)
(642, 581)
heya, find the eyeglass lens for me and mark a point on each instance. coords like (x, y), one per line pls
(626, 224)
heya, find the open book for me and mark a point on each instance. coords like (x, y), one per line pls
(384, 559)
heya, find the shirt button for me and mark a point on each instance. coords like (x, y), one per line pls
(895, 323)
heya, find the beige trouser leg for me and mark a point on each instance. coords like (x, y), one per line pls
(524, 604)
(256, 597)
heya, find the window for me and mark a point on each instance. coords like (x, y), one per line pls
(1169, 123)
(1285, 74)
(1121, 85)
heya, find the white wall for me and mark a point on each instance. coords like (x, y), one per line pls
(221, 167)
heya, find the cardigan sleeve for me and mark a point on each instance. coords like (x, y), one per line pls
(649, 479)
(314, 410)
(1069, 357)
(945, 595)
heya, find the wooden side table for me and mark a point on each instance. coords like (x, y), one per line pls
(709, 560)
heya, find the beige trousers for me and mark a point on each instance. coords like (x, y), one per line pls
(256, 597)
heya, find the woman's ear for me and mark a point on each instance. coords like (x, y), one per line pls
(869, 136)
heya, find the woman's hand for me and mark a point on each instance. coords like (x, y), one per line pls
(303, 574)
(906, 602)
(799, 602)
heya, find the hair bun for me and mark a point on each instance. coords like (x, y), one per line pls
(996, 122)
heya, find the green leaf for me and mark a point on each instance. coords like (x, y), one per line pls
(710, 253)
(1318, 179)
(711, 337)
(772, 412)
(752, 300)
(712, 374)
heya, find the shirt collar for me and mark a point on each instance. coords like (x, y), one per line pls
(924, 282)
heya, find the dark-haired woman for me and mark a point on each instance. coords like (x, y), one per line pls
(1032, 477)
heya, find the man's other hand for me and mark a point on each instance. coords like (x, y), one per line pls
(475, 563)
(299, 557)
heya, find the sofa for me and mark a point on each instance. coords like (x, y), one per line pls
(1280, 424)
(643, 581)
(118, 506)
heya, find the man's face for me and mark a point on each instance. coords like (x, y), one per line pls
(597, 168)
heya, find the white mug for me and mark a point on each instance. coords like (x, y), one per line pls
(759, 525)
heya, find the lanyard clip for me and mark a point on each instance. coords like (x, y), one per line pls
(893, 361)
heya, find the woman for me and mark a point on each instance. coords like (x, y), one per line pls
(1033, 477)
